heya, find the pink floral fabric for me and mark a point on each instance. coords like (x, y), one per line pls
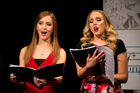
(99, 88)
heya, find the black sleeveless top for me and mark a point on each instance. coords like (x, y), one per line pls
(39, 61)
(120, 49)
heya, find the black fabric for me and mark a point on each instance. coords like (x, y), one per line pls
(39, 61)
(120, 49)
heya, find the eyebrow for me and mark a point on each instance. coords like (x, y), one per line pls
(98, 17)
(48, 22)
(95, 17)
(45, 22)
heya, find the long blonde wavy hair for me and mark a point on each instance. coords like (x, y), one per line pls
(54, 41)
(110, 34)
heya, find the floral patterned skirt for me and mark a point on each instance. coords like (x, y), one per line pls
(99, 87)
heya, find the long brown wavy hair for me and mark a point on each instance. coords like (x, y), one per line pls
(110, 34)
(54, 41)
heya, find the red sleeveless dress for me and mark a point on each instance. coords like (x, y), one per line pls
(30, 88)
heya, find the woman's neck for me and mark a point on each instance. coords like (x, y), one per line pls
(44, 42)
(98, 41)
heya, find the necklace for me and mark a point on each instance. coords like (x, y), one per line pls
(42, 53)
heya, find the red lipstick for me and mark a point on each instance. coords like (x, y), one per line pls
(43, 33)
(95, 28)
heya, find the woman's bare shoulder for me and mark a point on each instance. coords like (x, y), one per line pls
(62, 51)
(22, 51)
(21, 56)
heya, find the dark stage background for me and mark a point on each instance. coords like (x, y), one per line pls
(18, 28)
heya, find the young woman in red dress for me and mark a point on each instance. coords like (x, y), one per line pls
(43, 50)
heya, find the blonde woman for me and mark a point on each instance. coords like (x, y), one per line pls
(43, 50)
(99, 31)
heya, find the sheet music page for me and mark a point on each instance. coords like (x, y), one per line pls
(109, 63)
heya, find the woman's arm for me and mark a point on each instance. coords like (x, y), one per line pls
(62, 59)
(21, 57)
(91, 61)
(14, 78)
(122, 75)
